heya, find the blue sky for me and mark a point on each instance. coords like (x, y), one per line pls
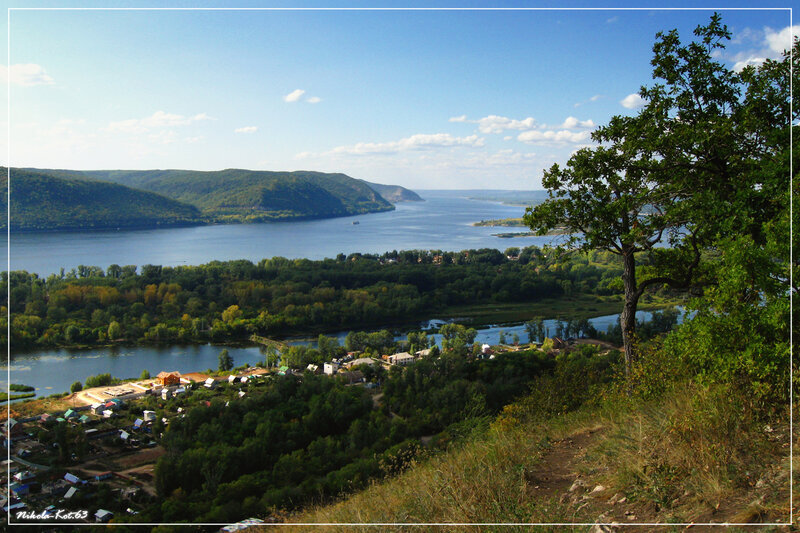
(425, 99)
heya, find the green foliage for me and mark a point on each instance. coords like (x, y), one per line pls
(277, 297)
(145, 374)
(238, 195)
(76, 386)
(100, 380)
(225, 360)
(704, 160)
(16, 387)
(457, 338)
(418, 340)
(42, 201)
(740, 334)
(4, 396)
(301, 356)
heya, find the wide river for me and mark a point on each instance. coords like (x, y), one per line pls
(442, 222)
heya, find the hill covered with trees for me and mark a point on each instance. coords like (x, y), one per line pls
(58, 199)
(394, 193)
(238, 195)
(40, 201)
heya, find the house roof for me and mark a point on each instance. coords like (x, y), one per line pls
(362, 361)
(162, 375)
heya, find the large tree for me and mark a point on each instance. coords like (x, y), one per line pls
(704, 158)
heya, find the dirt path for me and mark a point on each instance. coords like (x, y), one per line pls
(555, 474)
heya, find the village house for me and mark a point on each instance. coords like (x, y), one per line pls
(12, 428)
(18, 489)
(401, 359)
(362, 361)
(330, 368)
(103, 475)
(24, 475)
(167, 379)
(72, 478)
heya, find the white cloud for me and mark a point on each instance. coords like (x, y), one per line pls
(553, 136)
(633, 101)
(773, 42)
(294, 96)
(418, 142)
(25, 74)
(612, 20)
(313, 99)
(159, 119)
(594, 98)
(778, 41)
(246, 129)
(755, 61)
(572, 123)
(497, 124)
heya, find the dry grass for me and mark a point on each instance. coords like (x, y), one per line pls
(688, 457)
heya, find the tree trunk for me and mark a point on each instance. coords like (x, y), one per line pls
(628, 317)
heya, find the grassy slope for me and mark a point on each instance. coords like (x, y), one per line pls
(41, 201)
(668, 458)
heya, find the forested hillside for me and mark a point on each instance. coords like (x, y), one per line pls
(394, 193)
(43, 202)
(253, 195)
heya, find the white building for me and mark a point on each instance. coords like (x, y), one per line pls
(402, 359)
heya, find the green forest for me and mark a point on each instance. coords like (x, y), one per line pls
(47, 200)
(277, 297)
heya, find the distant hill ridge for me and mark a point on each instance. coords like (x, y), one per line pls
(394, 193)
(44, 202)
(231, 195)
